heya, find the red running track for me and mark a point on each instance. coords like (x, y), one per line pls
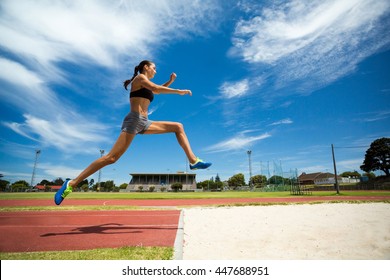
(28, 231)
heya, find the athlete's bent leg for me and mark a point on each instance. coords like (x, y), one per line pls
(178, 129)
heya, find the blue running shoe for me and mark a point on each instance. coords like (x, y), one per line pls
(200, 164)
(62, 193)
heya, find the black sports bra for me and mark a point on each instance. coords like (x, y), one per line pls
(144, 93)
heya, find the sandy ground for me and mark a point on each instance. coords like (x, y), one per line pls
(296, 232)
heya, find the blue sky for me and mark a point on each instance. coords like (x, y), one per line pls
(284, 79)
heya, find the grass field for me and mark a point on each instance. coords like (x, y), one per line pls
(138, 253)
(124, 253)
(182, 195)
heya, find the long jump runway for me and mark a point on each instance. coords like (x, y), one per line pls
(81, 230)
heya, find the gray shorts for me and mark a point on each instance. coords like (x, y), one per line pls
(135, 123)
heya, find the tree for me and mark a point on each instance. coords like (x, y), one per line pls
(258, 181)
(351, 174)
(236, 180)
(58, 182)
(123, 186)
(370, 175)
(209, 185)
(82, 183)
(378, 156)
(20, 186)
(205, 185)
(109, 186)
(3, 185)
(45, 182)
(276, 180)
(201, 185)
(218, 185)
(22, 183)
(177, 187)
(84, 187)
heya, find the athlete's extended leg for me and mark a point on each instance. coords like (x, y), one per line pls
(121, 145)
(123, 142)
(177, 128)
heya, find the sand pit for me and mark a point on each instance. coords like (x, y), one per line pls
(329, 231)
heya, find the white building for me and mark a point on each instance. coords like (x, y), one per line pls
(160, 180)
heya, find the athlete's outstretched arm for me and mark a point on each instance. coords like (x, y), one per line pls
(157, 89)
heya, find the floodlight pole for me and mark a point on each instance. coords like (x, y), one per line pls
(335, 172)
(249, 152)
(186, 166)
(37, 152)
(100, 171)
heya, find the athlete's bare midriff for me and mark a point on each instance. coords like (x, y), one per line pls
(139, 105)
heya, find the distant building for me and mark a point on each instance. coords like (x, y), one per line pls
(41, 188)
(350, 180)
(159, 180)
(318, 178)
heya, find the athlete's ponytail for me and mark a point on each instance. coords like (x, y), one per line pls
(137, 69)
(127, 82)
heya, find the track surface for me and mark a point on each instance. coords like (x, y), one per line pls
(81, 230)
(28, 231)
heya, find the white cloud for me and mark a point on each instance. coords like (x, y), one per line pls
(314, 169)
(315, 41)
(95, 31)
(72, 134)
(62, 128)
(56, 171)
(13, 149)
(9, 68)
(18, 128)
(234, 89)
(26, 89)
(298, 24)
(299, 46)
(374, 116)
(238, 142)
(284, 121)
(153, 109)
(351, 164)
(10, 176)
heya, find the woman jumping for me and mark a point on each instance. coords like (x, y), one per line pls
(136, 122)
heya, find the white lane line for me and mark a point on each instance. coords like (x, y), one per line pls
(178, 245)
